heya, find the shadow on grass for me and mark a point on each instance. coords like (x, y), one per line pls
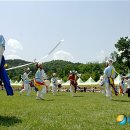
(120, 100)
(59, 95)
(78, 96)
(9, 120)
(49, 100)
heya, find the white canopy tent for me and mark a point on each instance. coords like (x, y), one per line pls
(90, 81)
(67, 83)
(80, 82)
(16, 84)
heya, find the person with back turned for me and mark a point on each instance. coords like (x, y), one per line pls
(3, 74)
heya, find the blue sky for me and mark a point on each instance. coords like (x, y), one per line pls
(89, 29)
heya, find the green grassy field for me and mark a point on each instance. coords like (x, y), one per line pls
(86, 111)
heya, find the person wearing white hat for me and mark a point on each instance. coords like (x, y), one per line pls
(26, 82)
(39, 82)
(54, 81)
(109, 75)
(127, 80)
(73, 82)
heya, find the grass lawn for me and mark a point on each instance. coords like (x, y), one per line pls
(86, 111)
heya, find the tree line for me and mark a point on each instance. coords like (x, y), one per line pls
(121, 61)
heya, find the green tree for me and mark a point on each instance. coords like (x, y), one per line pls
(123, 47)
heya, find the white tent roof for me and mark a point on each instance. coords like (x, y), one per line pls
(90, 81)
(79, 80)
(66, 83)
(59, 81)
(20, 82)
(16, 82)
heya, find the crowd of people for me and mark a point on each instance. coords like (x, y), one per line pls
(41, 83)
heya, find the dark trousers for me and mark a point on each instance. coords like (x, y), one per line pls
(128, 92)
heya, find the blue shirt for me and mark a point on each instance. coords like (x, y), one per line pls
(38, 76)
(25, 78)
(109, 72)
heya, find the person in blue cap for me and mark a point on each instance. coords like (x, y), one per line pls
(3, 74)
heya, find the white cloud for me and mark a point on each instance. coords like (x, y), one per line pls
(13, 57)
(63, 55)
(14, 44)
(13, 51)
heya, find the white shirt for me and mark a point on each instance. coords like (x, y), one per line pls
(54, 80)
(128, 83)
(25, 78)
(108, 72)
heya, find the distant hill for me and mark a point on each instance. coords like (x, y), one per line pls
(60, 67)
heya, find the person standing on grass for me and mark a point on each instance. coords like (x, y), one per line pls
(59, 85)
(122, 86)
(3, 74)
(127, 80)
(39, 82)
(73, 82)
(102, 80)
(109, 75)
(101, 83)
(54, 81)
(26, 82)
